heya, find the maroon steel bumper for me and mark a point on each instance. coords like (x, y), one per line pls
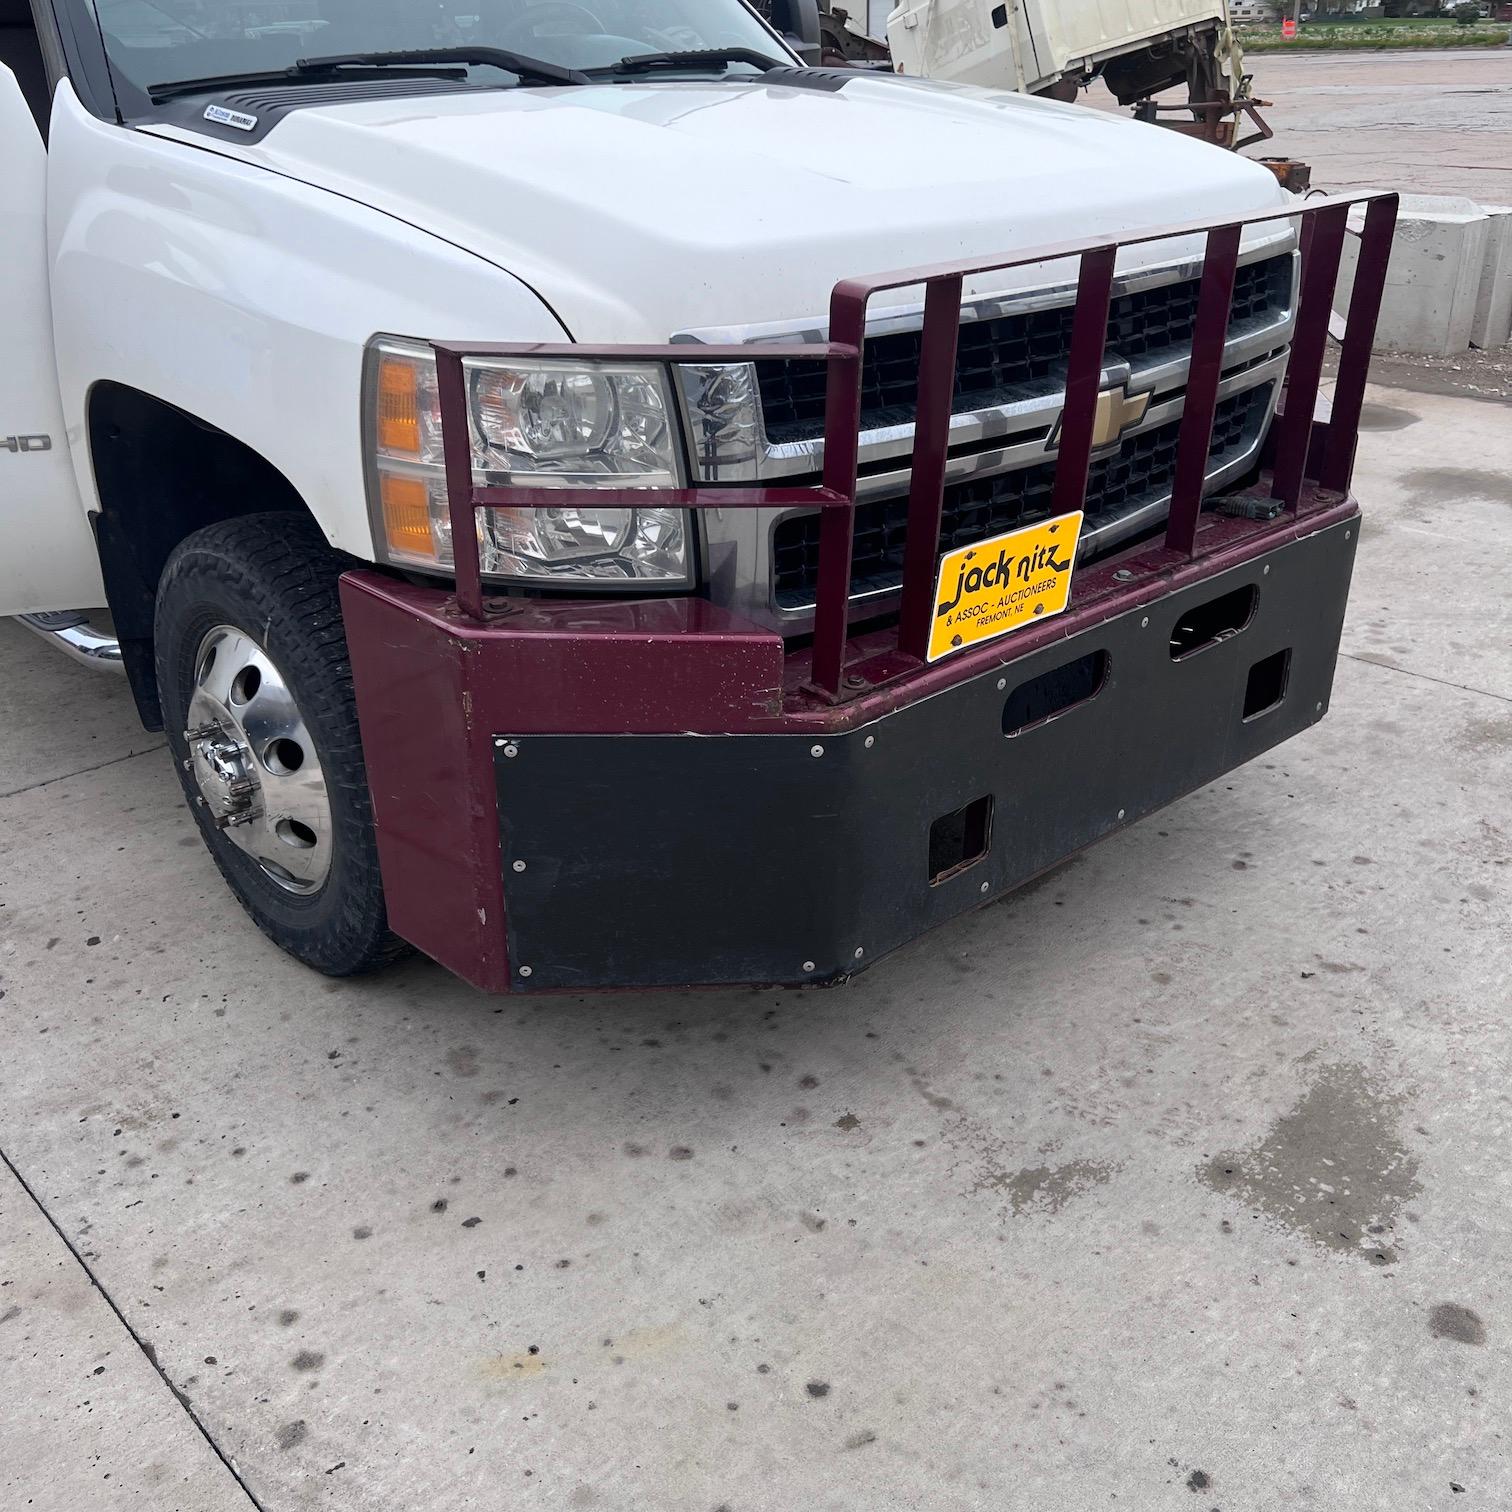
(630, 795)
(577, 794)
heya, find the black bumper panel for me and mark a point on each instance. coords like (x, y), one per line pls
(669, 860)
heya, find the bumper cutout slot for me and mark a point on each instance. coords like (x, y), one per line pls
(1219, 619)
(1266, 687)
(1051, 694)
(958, 840)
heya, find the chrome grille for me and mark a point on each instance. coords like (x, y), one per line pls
(1137, 475)
(1003, 357)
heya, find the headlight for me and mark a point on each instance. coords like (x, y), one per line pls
(548, 423)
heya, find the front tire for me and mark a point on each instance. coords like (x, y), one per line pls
(256, 691)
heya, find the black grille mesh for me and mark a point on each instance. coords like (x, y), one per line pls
(996, 359)
(1139, 473)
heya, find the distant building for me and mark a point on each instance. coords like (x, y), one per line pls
(1257, 12)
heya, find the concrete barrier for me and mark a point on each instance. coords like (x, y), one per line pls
(1492, 324)
(1435, 277)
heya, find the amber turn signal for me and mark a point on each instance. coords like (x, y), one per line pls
(406, 516)
(398, 407)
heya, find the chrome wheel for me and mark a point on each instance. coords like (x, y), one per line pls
(255, 763)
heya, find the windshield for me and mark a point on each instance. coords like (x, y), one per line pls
(163, 41)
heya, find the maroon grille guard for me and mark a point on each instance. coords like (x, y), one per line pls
(451, 683)
(1311, 469)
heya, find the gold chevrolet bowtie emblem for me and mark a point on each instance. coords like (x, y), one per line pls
(1118, 411)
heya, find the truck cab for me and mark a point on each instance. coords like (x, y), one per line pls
(549, 535)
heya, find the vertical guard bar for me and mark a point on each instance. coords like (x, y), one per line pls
(926, 489)
(451, 390)
(1304, 241)
(1320, 270)
(1081, 425)
(1220, 265)
(837, 526)
(1089, 339)
(456, 449)
(1359, 337)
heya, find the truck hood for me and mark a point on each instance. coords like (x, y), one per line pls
(639, 212)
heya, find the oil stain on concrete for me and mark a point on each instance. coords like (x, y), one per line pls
(512, 1367)
(1449, 485)
(1385, 417)
(1334, 1168)
(1453, 1320)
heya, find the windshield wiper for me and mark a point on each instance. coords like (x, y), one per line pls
(703, 57)
(423, 63)
(493, 57)
(174, 88)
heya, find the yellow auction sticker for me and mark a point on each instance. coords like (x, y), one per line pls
(986, 590)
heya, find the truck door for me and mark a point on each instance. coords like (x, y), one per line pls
(47, 551)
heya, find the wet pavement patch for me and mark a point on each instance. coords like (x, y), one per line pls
(1047, 1189)
(1334, 1168)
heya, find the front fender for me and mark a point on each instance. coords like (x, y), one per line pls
(246, 299)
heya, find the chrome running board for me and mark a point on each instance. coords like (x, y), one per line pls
(70, 631)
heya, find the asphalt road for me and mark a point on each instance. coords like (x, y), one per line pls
(1177, 1181)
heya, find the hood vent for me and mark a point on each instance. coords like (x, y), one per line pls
(268, 104)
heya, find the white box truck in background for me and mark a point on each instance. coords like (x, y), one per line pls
(1137, 48)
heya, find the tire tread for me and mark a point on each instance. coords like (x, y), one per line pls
(281, 567)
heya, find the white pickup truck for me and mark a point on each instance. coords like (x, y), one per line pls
(542, 547)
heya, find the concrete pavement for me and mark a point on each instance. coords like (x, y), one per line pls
(1437, 122)
(1433, 122)
(1178, 1180)
(88, 1421)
